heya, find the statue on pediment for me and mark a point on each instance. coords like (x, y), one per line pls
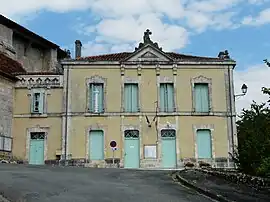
(147, 40)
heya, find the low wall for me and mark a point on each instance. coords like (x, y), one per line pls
(236, 177)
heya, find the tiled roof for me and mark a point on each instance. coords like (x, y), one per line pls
(124, 55)
(38, 73)
(8, 66)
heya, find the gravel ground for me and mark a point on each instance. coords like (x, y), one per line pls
(70, 184)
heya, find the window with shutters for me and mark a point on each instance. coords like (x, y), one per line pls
(96, 99)
(37, 102)
(166, 97)
(131, 97)
(201, 91)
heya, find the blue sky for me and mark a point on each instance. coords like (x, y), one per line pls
(198, 27)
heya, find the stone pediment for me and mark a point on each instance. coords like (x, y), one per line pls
(148, 54)
(148, 51)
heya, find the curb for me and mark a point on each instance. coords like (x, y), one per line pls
(200, 190)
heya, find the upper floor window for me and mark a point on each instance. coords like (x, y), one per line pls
(201, 91)
(166, 97)
(37, 102)
(131, 97)
(96, 104)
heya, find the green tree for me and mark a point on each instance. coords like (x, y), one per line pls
(253, 131)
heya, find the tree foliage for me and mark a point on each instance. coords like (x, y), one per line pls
(253, 132)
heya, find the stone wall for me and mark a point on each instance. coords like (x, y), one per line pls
(6, 106)
(236, 177)
(34, 57)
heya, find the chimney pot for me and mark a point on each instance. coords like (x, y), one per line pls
(78, 48)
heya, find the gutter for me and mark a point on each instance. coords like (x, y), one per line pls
(66, 114)
(231, 113)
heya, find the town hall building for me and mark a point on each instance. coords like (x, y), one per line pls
(163, 110)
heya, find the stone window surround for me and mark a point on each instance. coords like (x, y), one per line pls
(167, 127)
(129, 80)
(203, 127)
(90, 128)
(201, 79)
(164, 80)
(131, 127)
(46, 92)
(37, 129)
(92, 80)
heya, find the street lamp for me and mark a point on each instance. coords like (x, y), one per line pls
(244, 91)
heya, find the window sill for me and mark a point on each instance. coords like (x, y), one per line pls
(37, 115)
(131, 114)
(95, 114)
(167, 113)
(202, 113)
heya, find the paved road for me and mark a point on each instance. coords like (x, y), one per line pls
(57, 184)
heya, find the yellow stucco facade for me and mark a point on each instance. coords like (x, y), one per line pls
(67, 121)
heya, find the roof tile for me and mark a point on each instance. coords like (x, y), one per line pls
(173, 55)
(9, 66)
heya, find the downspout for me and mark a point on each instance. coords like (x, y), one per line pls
(66, 114)
(231, 108)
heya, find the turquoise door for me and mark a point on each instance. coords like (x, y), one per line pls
(36, 151)
(96, 145)
(168, 148)
(204, 144)
(132, 149)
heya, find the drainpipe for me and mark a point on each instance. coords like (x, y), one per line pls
(231, 108)
(66, 114)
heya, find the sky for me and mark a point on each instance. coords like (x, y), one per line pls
(197, 27)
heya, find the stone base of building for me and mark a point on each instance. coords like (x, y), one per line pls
(146, 163)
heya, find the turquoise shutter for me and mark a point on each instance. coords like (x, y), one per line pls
(204, 144)
(201, 98)
(162, 97)
(32, 102)
(41, 102)
(100, 98)
(198, 101)
(91, 97)
(205, 97)
(170, 98)
(128, 91)
(134, 97)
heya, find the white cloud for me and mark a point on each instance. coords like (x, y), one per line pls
(262, 18)
(255, 77)
(12, 8)
(129, 30)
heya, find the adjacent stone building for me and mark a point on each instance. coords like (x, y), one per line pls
(163, 109)
(8, 67)
(22, 52)
(35, 53)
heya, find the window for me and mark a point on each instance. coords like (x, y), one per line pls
(166, 97)
(131, 97)
(37, 102)
(96, 98)
(201, 97)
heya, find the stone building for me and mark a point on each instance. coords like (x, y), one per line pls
(163, 109)
(22, 52)
(35, 53)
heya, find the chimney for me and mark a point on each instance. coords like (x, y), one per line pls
(78, 48)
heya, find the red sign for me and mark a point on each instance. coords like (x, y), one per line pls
(113, 143)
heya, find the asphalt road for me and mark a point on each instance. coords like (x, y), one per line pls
(58, 184)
